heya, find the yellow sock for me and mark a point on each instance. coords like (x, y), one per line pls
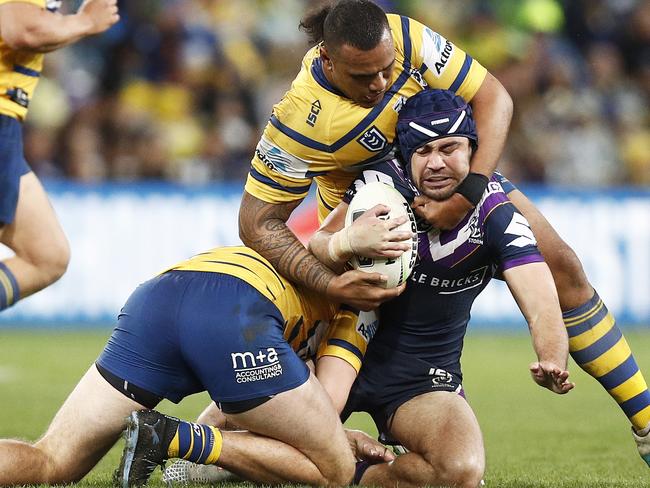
(198, 443)
(599, 348)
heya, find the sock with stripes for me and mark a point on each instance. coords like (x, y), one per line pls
(198, 443)
(9, 291)
(599, 348)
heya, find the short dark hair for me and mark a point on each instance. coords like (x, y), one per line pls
(358, 23)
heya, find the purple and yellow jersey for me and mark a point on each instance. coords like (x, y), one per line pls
(20, 70)
(315, 132)
(312, 323)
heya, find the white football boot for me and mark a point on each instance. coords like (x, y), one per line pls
(182, 472)
(642, 439)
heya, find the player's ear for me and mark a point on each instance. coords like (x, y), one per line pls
(325, 57)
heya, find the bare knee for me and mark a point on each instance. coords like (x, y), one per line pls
(462, 473)
(564, 264)
(55, 468)
(52, 262)
(24, 463)
(58, 264)
(570, 279)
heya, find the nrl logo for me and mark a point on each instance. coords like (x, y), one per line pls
(373, 140)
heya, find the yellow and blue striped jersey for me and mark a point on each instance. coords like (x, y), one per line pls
(20, 70)
(315, 132)
(312, 323)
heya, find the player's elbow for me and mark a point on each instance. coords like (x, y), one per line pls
(243, 236)
(508, 105)
(22, 36)
(504, 101)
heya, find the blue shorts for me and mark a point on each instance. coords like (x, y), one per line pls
(184, 332)
(12, 166)
(390, 378)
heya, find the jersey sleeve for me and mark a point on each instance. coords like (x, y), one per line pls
(38, 3)
(276, 176)
(442, 64)
(389, 172)
(348, 336)
(507, 232)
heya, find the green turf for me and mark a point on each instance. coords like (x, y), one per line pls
(532, 437)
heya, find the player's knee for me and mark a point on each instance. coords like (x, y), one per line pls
(54, 262)
(566, 268)
(463, 473)
(55, 467)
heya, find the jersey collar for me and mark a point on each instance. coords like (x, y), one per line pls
(321, 79)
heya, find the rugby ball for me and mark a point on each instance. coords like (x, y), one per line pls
(366, 197)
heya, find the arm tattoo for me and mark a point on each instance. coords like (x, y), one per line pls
(263, 228)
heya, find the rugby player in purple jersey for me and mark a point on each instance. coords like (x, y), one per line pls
(411, 379)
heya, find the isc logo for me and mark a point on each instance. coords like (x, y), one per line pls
(313, 113)
(245, 360)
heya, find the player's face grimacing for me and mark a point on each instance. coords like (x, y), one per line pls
(363, 76)
(439, 166)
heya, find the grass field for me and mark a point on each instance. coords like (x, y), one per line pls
(533, 438)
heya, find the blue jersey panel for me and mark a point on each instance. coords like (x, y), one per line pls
(12, 166)
(187, 331)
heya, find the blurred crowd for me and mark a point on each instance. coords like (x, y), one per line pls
(180, 90)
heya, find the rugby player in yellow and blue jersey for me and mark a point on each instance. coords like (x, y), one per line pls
(339, 115)
(223, 321)
(28, 225)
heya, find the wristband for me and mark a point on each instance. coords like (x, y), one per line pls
(339, 247)
(473, 187)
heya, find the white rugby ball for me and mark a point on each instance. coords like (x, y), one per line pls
(366, 197)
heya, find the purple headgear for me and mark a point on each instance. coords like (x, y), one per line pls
(430, 115)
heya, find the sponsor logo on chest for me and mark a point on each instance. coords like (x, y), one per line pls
(449, 286)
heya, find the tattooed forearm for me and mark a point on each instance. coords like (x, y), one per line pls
(262, 227)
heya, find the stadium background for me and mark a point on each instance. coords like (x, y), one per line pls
(143, 136)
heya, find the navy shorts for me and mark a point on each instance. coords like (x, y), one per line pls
(390, 378)
(12, 166)
(184, 332)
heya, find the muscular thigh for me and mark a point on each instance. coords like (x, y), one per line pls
(86, 426)
(438, 425)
